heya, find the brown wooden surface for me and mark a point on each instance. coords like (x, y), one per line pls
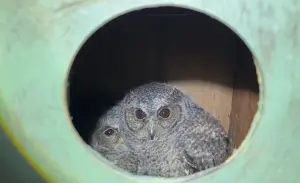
(245, 96)
(199, 57)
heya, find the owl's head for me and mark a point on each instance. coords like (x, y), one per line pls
(153, 110)
(107, 138)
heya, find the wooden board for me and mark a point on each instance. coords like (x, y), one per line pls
(199, 57)
(245, 96)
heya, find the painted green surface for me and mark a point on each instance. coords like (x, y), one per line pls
(39, 38)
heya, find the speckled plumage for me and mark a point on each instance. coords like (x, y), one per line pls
(113, 147)
(187, 141)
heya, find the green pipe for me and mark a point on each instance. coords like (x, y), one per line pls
(39, 39)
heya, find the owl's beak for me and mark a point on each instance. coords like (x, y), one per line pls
(152, 133)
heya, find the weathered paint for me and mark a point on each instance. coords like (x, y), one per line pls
(39, 39)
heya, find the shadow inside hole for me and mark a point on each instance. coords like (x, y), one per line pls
(166, 44)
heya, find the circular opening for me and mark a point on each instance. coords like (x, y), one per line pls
(198, 54)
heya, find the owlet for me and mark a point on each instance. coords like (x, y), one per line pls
(108, 141)
(169, 134)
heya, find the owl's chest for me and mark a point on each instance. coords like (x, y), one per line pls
(163, 159)
(161, 151)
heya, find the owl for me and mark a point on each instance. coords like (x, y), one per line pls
(108, 141)
(170, 135)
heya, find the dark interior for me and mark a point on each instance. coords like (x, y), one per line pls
(165, 44)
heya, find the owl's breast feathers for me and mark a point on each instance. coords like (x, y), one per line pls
(165, 158)
(206, 143)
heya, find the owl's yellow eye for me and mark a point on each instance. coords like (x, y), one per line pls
(140, 114)
(164, 113)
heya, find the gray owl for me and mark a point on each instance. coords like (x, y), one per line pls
(108, 141)
(170, 134)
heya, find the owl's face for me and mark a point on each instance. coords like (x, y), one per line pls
(152, 111)
(107, 137)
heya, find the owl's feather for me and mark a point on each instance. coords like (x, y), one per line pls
(113, 148)
(190, 140)
(182, 140)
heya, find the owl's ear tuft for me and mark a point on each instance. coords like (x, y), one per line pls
(127, 98)
(177, 95)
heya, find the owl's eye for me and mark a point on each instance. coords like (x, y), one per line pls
(109, 132)
(164, 113)
(139, 114)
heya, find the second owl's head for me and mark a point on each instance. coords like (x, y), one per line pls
(107, 137)
(153, 109)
